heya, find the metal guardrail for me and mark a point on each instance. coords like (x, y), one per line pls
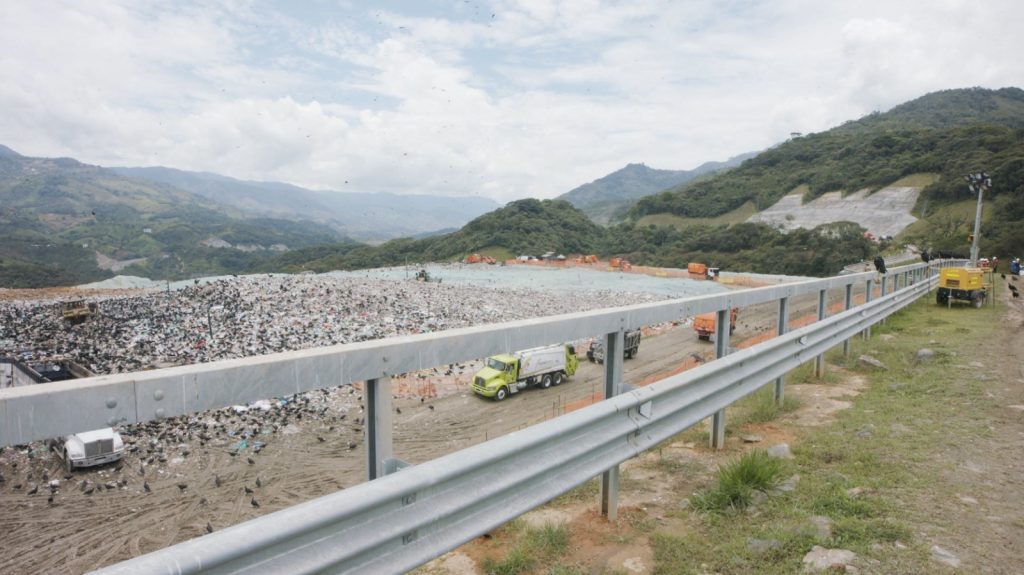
(33, 413)
(402, 520)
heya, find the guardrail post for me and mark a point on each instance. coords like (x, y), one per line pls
(378, 427)
(721, 350)
(782, 328)
(885, 291)
(614, 344)
(819, 361)
(847, 304)
(868, 293)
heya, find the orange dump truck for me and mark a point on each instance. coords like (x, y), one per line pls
(705, 324)
(697, 269)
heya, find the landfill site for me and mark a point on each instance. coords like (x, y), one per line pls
(183, 477)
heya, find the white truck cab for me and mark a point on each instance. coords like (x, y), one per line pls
(89, 448)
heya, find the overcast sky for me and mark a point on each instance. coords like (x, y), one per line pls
(504, 99)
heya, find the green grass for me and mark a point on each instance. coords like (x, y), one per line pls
(761, 407)
(738, 481)
(873, 473)
(534, 546)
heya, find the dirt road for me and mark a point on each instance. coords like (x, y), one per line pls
(197, 475)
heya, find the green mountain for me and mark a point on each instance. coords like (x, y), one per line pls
(607, 199)
(365, 216)
(949, 134)
(63, 222)
(522, 227)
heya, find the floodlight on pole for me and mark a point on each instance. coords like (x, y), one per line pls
(978, 183)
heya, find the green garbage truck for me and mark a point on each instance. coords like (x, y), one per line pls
(542, 367)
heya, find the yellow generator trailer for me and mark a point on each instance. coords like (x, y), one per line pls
(962, 284)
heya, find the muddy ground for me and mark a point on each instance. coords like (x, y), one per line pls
(199, 472)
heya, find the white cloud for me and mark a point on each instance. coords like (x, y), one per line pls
(509, 98)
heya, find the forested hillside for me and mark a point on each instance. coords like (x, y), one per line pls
(948, 133)
(57, 215)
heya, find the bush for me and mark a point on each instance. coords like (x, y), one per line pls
(737, 482)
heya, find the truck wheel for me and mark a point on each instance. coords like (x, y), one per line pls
(545, 381)
(558, 378)
(979, 301)
(69, 465)
(501, 394)
(732, 329)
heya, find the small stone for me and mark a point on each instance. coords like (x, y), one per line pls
(759, 546)
(820, 560)
(780, 451)
(924, 355)
(752, 438)
(976, 364)
(967, 499)
(887, 337)
(942, 556)
(870, 361)
(895, 386)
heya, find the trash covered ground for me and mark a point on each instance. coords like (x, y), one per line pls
(186, 476)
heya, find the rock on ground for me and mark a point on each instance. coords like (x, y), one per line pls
(820, 560)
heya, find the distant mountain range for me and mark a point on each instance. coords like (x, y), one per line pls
(363, 216)
(607, 199)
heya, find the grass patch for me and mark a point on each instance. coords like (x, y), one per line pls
(738, 481)
(584, 492)
(761, 407)
(875, 472)
(535, 546)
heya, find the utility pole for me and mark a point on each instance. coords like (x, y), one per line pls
(978, 183)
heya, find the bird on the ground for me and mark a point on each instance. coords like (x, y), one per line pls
(34, 490)
(254, 502)
(251, 461)
(183, 486)
(248, 490)
(209, 528)
(258, 482)
(216, 480)
(145, 486)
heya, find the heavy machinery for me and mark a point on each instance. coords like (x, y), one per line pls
(77, 311)
(511, 373)
(706, 324)
(962, 284)
(632, 347)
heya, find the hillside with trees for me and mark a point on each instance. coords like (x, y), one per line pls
(608, 198)
(59, 218)
(949, 133)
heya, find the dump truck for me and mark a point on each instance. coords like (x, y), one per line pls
(962, 284)
(543, 367)
(697, 269)
(632, 347)
(89, 448)
(77, 311)
(706, 324)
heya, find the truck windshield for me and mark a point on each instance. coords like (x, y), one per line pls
(495, 364)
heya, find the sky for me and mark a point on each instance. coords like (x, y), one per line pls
(504, 99)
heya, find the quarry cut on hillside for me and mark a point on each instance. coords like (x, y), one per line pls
(883, 213)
